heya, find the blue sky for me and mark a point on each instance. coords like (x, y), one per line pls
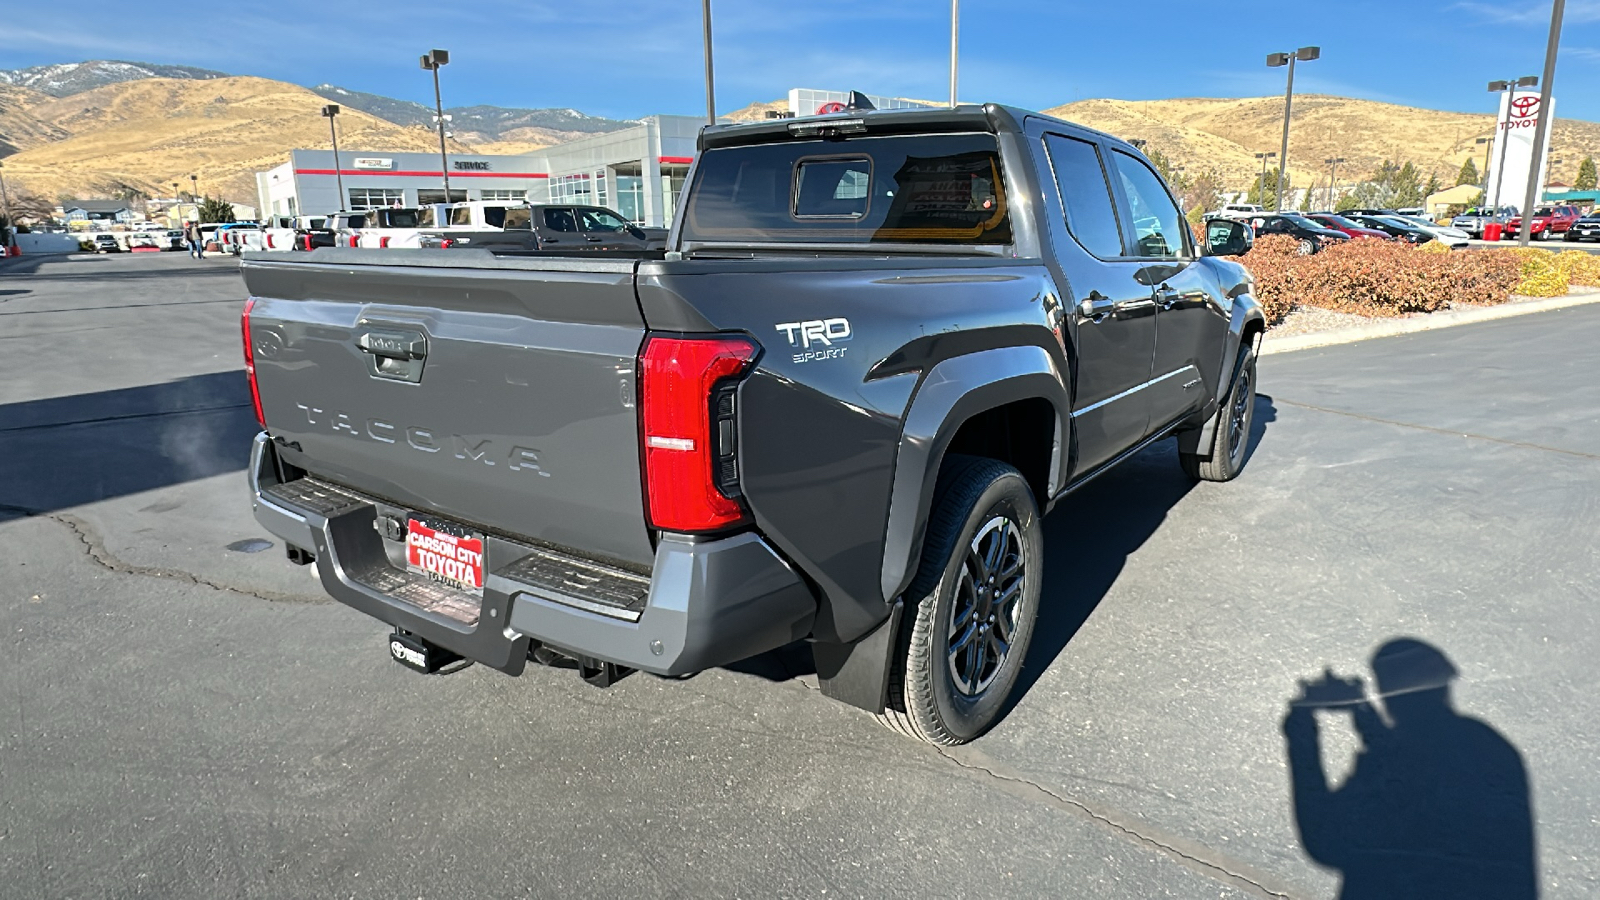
(632, 59)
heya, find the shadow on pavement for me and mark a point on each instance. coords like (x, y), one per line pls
(67, 451)
(1437, 803)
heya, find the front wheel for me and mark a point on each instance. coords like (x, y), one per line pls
(971, 608)
(1307, 247)
(1230, 440)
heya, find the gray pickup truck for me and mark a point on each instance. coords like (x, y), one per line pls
(878, 347)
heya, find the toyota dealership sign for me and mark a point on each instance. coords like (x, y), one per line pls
(1519, 119)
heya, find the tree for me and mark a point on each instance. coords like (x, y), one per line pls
(218, 210)
(1407, 186)
(1264, 190)
(1305, 200)
(1469, 172)
(1203, 192)
(1586, 175)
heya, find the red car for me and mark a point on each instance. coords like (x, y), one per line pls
(1340, 223)
(1547, 220)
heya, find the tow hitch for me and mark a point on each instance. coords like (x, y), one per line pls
(419, 655)
(595, 671)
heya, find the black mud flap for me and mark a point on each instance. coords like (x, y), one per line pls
(419, 655)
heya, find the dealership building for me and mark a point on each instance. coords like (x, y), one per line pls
(638, 171)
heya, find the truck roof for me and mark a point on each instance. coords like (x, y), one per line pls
(990, 117)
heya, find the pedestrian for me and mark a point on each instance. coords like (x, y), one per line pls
(191, 233)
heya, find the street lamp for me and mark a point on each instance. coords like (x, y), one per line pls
(1274, 60)
(1541, 131)
(955, 21)
(711, 88)
(1333, 181)
(1261, 183)
(194, 192)
(5, 202)
(431, 61)
(331, 110)
(1505, 87)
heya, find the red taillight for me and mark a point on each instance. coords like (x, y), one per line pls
(355, 241)
(687, 422)
(383, 242)
(250, 361)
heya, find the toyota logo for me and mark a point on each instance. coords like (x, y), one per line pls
(1524, 107)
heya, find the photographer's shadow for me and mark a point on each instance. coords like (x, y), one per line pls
(1437, 803)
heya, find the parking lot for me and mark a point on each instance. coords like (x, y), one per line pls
(183, 717)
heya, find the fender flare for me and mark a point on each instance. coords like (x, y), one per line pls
(1247, 316)
(952, 392)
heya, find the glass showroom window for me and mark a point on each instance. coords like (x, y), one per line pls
(504, 196)
(570, 189)
(630, 198)
(371, 198)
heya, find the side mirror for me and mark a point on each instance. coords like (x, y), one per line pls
(1228, 237)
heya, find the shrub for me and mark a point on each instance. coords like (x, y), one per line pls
(1579, 267)
(1540, 276)
(1376, 278)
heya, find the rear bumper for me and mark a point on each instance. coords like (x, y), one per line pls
(709, 602)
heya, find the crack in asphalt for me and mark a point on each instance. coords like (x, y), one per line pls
(96, 550)
(1217, 870)
(1447, 431)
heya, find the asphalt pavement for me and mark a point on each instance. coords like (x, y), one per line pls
(183, 718)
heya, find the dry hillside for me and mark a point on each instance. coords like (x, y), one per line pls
(1226, 135)
(148, 134)
(19, 127)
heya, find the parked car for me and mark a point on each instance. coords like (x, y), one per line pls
(143, 241)
(106, 243)
(1348, 228)
(1237, 211)
(1312, 235)
(1450, 236)
(1400, 229)
(1547, 220)
(555, 228)
(1585, 229)
(834, 408)
(174, 240)
(1473, 220)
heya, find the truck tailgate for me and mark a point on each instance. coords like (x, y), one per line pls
(499, 393)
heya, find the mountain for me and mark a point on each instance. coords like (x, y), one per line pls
(1225, 134)
(66, 79)
(144, 135)
(19, 127)
(479, 124)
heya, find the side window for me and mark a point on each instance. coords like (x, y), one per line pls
(1085, 195)
(600, 220)
(559, 220)
(461, 215)
(1157, 225)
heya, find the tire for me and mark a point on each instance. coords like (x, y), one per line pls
(1230, 440)
(985, 529)
(1307, 247)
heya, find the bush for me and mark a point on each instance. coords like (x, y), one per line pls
(1579, 267)
(1376, 278)
(1540, 275)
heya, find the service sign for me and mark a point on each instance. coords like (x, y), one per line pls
(370, 162)
(443, 557)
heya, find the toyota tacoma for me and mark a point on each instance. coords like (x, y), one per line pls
(877, 348)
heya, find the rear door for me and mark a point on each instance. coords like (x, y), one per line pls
(1115, 313)
(558, 226)
(501, 397)
(1190, 324)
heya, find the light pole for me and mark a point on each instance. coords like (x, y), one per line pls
(431, 61)
(1274, 60)
(1542, 130)
(1504, 87)
(1487, 149)
(1261, 183)
(711, 84)
(331, 110)
(5, 202)
(955, 22)
(1333, 181)
(194, 194)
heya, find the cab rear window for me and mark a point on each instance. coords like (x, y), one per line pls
(944, 189)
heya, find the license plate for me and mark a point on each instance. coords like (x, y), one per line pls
(445, 557)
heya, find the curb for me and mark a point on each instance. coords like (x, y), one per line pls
(1578, 296)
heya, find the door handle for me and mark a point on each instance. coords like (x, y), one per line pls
(1096, 306)
(595, 239)
(1127, 307)
(394, 344)
(1168, 297)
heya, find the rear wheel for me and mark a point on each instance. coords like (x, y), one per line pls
(1230, 440)
(1307, 247)
(971, 608)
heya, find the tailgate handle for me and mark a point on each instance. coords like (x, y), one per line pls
(394, 354)
(394, 344)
